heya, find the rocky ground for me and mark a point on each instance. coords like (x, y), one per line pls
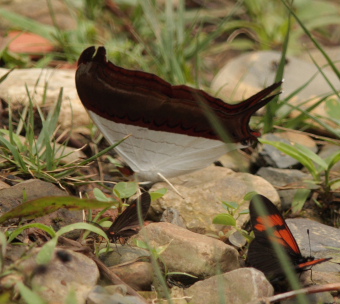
(188, 248)
(179, 227)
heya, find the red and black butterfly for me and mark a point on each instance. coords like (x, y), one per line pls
(125, 224)
(261, 254)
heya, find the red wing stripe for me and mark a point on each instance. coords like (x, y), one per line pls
(275, 220)
(272, 221)
(286, 234)
(311, 263)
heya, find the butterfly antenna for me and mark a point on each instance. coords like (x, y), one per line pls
(169, 183)
(310, 247)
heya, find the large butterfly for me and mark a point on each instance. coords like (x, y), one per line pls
(261, 254)
(171, 133)
(125, 224)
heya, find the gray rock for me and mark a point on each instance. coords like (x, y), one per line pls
(286, 180)
(131, 264)
(77, 273)
(108, 295)
(237, 239)
(275, 158)
(237, 286)
(203, 192)
(172, 216)
(322, 239)
(189, 252)
(120, 254)
(253, 71)
(34, 189)
(333, 52)
(137, 274)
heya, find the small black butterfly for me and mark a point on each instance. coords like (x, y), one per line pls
(123, 226)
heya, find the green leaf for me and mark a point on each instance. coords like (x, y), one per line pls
(299, 200)
(141, 244)
(310, 154)
(46, 253)
(249, 195)
(125, 189)
(244, 212)
(28, 24)
(333, 159)
(224, 219)
(100, 196)
(230, 205)
(19, 230)
(28, 295)
(332, 108)
(295, 153)
(46, 205)
(85, 226)
(3, 77)
(155, 195)
(335, 184)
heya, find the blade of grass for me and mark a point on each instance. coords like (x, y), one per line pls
(28, 24)
(318, 46)
(272, 107)
(324, 75)
(46, 205)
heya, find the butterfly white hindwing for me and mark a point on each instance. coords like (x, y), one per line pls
(150, 152)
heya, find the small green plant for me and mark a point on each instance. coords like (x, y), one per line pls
(120, 192)
(324, 183)
(230, 217)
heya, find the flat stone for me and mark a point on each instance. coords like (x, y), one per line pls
(138, 275)
(237, 286)
(322, 239)
(34, 189)
(286, 180)
(189, 252)
(203, 192)
(77, 273)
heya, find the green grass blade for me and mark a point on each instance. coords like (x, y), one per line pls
(3, 77)
(18, 160)
(29, 296)
(46, 205)
(324, 76)
(82, 226)
(295, 153)
(28, 24)
(318, 46)
(272, 106)
(46, 253)
(19, 230)
(299, 200)
(310, 154)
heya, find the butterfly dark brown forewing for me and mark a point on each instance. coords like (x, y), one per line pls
(169, 131)
(261, 254)
(125, 224)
